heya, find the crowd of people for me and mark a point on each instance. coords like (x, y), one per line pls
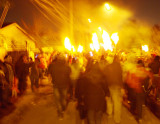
(98, 84)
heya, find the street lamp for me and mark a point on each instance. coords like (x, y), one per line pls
(107, 6)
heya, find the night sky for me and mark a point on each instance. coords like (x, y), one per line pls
(145, 10)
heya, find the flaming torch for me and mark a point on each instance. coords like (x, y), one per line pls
(80, 48)
(107, 41)
(115, 38)
(67, 44)
(95, 42)
(91, 46)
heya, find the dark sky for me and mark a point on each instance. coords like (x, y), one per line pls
(145, 10)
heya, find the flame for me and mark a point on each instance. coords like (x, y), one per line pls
(73, 49)
(115, 38)
(67, 44)
(80, 48)
(95, 42)
(91, 46)
(107, 41)
(145, 48)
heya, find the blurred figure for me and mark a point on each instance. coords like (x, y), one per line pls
(135, 80)
(113, 74)
(34, 76)
(22, 71)
(155, 69)
(9, 74)
(75, 72)
(8, 63)
(90, 93)
(4, 85)
(60, 74)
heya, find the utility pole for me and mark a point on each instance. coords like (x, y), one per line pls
(71, 21)
(3, 16)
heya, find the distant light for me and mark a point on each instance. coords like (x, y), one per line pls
(100, 28)
(145, 48)
(91, 54)
(107, 6)
(89, 20)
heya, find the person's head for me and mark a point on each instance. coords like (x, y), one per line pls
(61, 57)
(8, 58)
(116, 58)
(140, 62)
(156, 58)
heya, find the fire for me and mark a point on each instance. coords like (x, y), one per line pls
(91, 46)
(115, 38)
(95, 42)
(107, 41)
(73, 49)
(67, 44)
(80, 48)
(145, 48)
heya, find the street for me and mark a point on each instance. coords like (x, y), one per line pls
(39, 108)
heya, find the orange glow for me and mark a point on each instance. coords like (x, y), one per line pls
(115, 38)
(95, 42)
(107, 41)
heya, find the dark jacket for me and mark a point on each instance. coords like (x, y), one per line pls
(91, 91)
(3, 73)
(113, 74)
(60, 73)
(155, 66)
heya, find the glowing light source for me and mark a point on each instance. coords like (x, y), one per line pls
(145, 48)
(80, 48)
(73, 49)
(89, 20)
(67, 44)
(107, 41)
(115, 38)
(100, 28)
(91, 54)
(91, 46)
(107, 6)
(95, 42)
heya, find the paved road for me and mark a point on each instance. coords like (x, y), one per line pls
(39, 108)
